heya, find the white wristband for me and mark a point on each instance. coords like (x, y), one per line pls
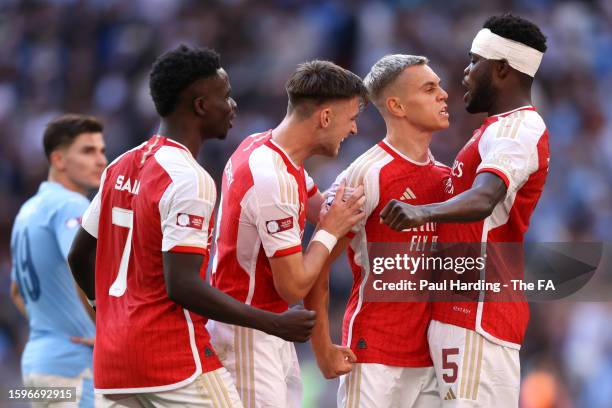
(325, 238)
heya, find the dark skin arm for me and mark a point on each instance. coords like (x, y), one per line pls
(82, 261)
(188, 289)
(475, 204)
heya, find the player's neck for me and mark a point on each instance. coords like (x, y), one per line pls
(410, 142)
(57, 176)
(291, 137)
(509, 101)
(182, 134)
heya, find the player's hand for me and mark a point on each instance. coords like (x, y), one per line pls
(88, 341)
(343, 213)
(400, 216)
(336, 361)
(294, 325)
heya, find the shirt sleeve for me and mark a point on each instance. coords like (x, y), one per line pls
(275, 205)
(66, 222)
(186, 211)
(508, 148)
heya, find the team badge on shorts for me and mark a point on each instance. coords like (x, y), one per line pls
(275, 226)
(190, 221)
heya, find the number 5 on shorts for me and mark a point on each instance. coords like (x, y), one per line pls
(122, 218)
(450, 365)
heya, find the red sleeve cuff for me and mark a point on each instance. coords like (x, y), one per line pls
(313, 191)
(350, 235)
(287, 251)
(179, 249)
(497, 172)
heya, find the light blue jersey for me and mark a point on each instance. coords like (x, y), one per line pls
(42, 234)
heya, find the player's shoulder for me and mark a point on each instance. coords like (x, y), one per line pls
(526, 123)
(367, 165)
(184, 171)
(272, 180)
(266, 163)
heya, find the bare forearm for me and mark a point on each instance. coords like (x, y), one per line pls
(198, 296)
(471, 205)
(318, 300)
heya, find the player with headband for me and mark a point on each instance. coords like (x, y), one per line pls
(496, 182)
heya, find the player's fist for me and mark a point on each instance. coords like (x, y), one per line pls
(344, 212)
(400, 216)
(294, 325)
(335, 361)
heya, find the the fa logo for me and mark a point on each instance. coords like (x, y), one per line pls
(457, 170)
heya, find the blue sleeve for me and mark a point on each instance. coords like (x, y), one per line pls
(66, 222)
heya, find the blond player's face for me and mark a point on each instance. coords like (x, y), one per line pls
(419, 90)
(343, 123)
(84, 160)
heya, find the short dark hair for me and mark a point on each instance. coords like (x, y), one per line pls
(518, 29)
(62, 132)
(318, 81)
(175, 70)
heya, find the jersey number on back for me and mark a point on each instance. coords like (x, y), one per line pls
(122, 218)
(26, 272)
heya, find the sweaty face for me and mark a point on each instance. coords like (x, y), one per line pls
(219, 105)
(84, 160)
(343, 123)
(477, 78)
(418, 89)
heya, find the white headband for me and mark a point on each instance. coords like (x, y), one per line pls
(520, 56)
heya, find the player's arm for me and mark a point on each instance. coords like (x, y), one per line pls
(295, 274)
(186, 287)
(82, 261)
(17, 299)
(333, 360)
(474, 204)
(313, 207)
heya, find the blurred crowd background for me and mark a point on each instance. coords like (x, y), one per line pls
(94, 56)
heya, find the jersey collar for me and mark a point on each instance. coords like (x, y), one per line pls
(168, 142)
(494, 118)
(275, 146)
(394, 152)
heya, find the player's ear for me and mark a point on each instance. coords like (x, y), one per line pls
(199, 106)
(57, 160)
(325, 117)
(394, 106)
(502, 68)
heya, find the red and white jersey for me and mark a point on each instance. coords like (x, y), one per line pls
(390, 333)
(514, 146)
(153, 199)
(261, 215)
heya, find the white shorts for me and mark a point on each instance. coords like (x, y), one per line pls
(214, 389)
(377, 385)
(265, 368)
(83, 384)
(473, 371)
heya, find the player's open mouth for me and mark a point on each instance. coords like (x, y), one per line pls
(444, 112)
